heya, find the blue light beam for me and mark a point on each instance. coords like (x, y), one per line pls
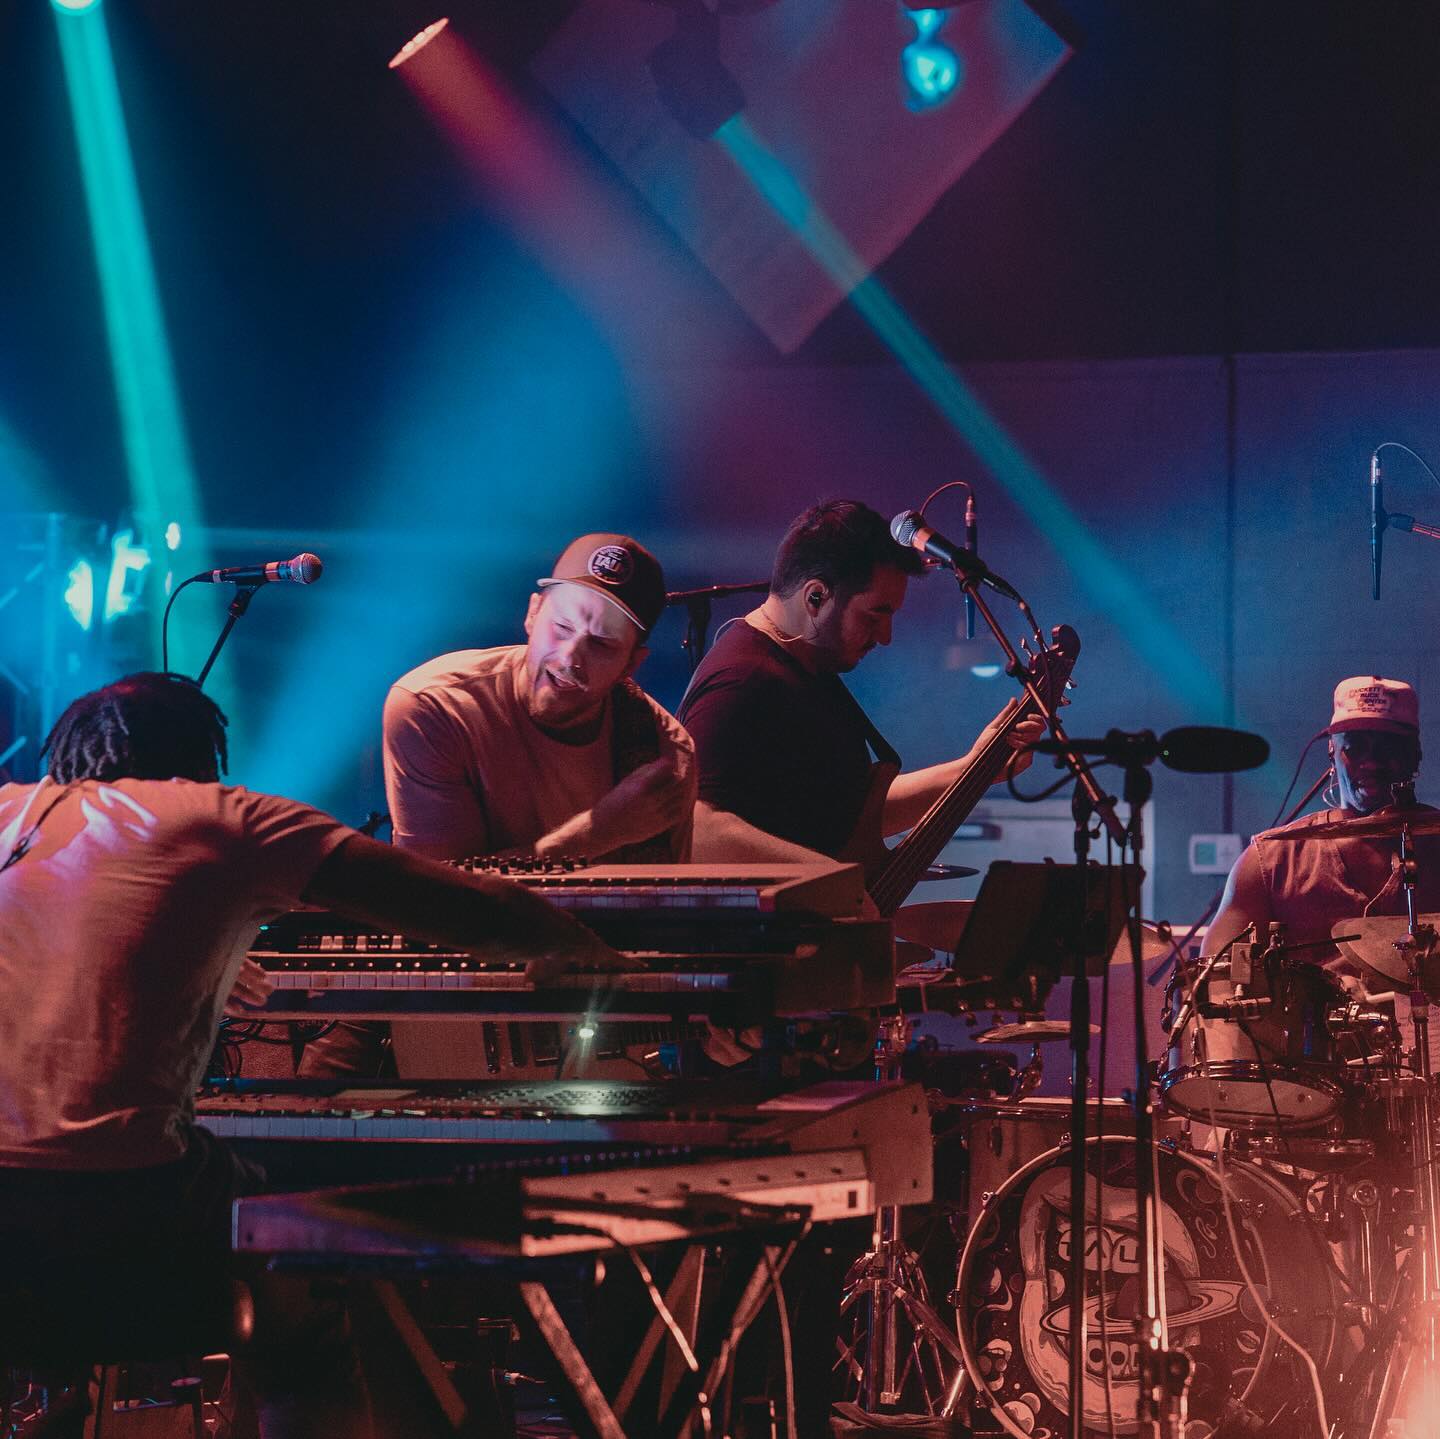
(1104, 581)
(157, 451)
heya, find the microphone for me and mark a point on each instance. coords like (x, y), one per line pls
(1378, 520)
(304, 569)
(1192, 749)
(909, 530)
(972, 543)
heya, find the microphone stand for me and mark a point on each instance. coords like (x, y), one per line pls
(698, 604)
(1089, 800)
(1409, 524)
(243, 595)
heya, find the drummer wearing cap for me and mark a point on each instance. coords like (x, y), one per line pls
(550, 747)
(1309, 884)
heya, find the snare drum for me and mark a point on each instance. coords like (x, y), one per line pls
(1276, 1068)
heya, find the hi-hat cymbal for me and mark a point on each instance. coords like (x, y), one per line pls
(1371, 939)
(909, 955)
(1028, 1031)
(1384, 824)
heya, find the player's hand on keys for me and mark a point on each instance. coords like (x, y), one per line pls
(252, 987)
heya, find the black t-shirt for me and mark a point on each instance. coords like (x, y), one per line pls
(785, 749)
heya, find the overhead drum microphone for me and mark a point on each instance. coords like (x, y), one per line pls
(304, 569)
(1378, 521)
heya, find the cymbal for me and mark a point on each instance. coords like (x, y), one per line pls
(1383, 824)
(949, 871)
(1028, 1031)
(909, 955)
(1155, 942)
(937, 924)
(1374, 941)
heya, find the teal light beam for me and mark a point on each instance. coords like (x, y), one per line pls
(162, 481)
(1105, 582)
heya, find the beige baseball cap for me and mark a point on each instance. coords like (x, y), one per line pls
(621, 569)
(1370, 702)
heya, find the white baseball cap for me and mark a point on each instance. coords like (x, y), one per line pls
(1370, 702)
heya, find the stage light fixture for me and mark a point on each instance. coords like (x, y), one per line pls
(932, 71)
(80, 593)
(692, 82)
(172, 535)
(126, 559)
(417, 43)
(75, 5)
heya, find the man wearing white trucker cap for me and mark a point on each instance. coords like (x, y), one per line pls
(1308, 885)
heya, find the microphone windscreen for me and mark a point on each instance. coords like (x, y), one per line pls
(903, 527)
(1208, 749)
(305, 568)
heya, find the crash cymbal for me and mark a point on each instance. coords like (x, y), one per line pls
(1028, 1031)
(1384, 824)
(949, 871)
(1371, 940)
(936, 924)
(1156, 941)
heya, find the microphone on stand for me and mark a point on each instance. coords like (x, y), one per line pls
(909, 530)
(1378, 521)
(304, 569)
(972, 543)
(1192, 749)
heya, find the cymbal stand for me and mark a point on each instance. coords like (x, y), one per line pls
(1090, 800)
(1416, 1356)
(891, 1284)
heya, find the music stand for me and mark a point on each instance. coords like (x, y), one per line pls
(1029, 921)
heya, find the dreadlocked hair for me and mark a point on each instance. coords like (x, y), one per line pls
(146, 726)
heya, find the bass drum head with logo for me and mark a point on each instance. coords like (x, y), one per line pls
(1014, 1319)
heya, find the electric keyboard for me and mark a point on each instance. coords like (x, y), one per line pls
(834, 1151)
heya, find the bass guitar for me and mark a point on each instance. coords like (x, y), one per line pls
(892, 873)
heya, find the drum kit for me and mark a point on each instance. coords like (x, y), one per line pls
(1292, 1170)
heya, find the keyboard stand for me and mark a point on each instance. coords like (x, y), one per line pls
(760, 1239)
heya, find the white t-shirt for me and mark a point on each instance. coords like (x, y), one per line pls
(468, 772)
(121, 933)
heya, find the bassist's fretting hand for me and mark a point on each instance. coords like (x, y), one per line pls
(1025, 733)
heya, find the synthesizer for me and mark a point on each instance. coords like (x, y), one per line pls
(832, 1151)
(729, 943)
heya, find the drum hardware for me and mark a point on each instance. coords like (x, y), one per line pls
(1261, 1052)
(1012, 1320)
(887, 1289)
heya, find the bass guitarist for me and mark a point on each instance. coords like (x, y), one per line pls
(781, 743)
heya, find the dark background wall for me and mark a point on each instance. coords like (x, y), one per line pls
(1193, 281)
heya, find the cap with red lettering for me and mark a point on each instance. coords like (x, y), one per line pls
(619, 568)
(1369, 702)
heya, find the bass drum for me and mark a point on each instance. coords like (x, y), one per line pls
(1014, 1320)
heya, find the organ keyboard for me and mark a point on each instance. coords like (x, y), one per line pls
(725, 942)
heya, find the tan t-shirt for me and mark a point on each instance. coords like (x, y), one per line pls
(468, 772)
(121, 933)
